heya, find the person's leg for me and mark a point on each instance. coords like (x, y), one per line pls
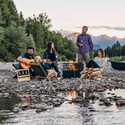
(86, 57)
(89, 64)
(32, 72)
(83, 70)
(92, 64)
(55, 65)
(44, 67)
(80, 58)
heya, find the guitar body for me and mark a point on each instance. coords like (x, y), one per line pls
(25, 66)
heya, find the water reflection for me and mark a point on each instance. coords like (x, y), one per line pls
(70, 113)
(72, 94)
(66, 114)
(109, 115)
(68, 95)
(6, 106)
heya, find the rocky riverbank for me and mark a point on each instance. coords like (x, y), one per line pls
(44, 95)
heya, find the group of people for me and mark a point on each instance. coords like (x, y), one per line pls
(84, 43)
(49, 58)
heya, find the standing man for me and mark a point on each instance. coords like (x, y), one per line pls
(84, 43)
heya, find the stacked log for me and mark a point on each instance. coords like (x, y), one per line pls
(92, 74)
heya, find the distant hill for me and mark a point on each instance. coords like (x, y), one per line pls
(101, 41)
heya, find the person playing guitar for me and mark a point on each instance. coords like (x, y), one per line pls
(26, 58)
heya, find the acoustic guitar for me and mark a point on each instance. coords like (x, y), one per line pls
(25, 66)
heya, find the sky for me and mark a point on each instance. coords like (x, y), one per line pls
(101, 16)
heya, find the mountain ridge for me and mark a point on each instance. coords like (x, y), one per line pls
(101, 41)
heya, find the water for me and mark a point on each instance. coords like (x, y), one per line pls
(6, 106)
(109, 115)
(67, 113)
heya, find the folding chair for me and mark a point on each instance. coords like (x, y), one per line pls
(40, 72)
(16, 66)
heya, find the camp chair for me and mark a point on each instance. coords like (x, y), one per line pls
(16, 66)
(40, 72)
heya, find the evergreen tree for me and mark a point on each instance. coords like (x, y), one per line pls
(16, 33)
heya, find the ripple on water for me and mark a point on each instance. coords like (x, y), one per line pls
(68, 114)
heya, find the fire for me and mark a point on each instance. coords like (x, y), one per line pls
(71, 65)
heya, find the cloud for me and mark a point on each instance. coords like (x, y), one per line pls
(105, 27)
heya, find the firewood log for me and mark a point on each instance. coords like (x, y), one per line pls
(96, 73)
(92, 73)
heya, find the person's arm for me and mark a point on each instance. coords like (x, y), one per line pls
(56, 55)
(21, 60)
(45, 56)
(78, 43)
(91, 44)
(103, 62)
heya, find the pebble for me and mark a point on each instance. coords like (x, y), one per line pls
(16, 110)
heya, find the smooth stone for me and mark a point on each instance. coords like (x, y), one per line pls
(41, 109)
(120, 102)
(16, 110)
(77, 99)
(107, 102)
(31, 106)
(56, 104)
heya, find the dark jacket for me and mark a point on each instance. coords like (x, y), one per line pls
(46, 54)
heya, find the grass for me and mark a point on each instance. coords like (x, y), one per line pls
(117, 58)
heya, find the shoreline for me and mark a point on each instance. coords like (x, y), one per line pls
(43, 95)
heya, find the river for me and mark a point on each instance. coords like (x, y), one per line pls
(67, 113)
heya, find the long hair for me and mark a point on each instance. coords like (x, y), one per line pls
(102, 52)
(49, 46)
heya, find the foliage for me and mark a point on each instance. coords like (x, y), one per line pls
(16, 33)
(117, 58)
(115, 50)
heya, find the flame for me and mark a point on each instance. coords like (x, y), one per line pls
(71, 65)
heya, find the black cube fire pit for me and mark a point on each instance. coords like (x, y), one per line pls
(72, 69)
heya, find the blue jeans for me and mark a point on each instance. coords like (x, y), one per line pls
(45, 67)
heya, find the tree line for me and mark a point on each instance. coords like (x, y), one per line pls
(115, 50)
(17, 33)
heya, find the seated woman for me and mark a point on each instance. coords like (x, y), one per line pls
(50, 55)
(43, 63)
(99, 62)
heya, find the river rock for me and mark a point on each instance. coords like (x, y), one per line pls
(16, 110)
(120, 102)
(56, 104)
(107, 102)
(63, 88)
(41, 109)
(93, 96)
(32, 106)
(77, 99)
(99, 88)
